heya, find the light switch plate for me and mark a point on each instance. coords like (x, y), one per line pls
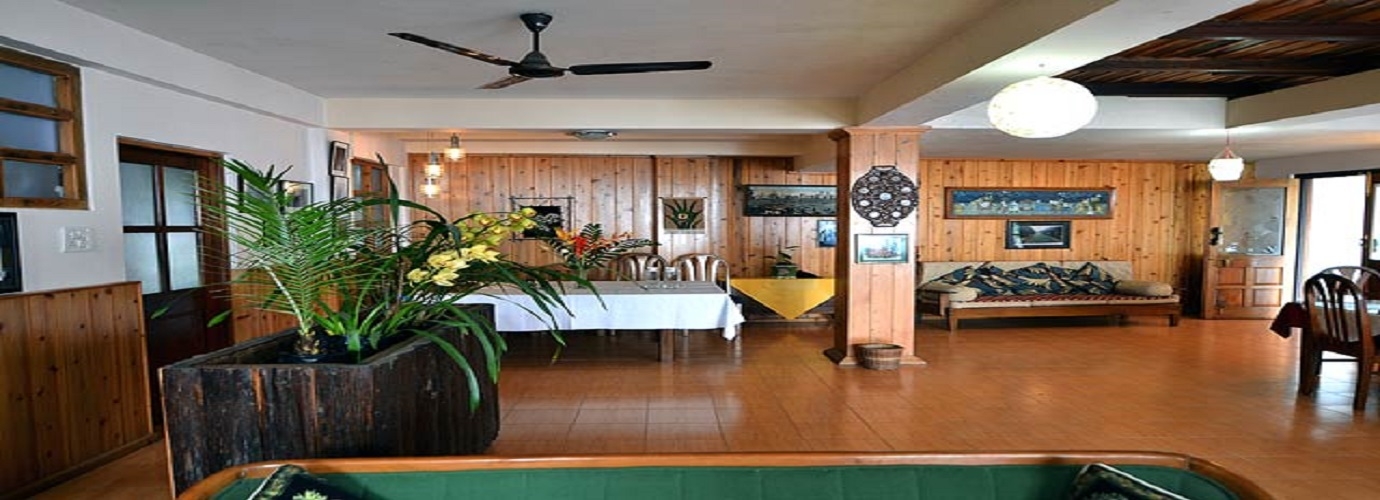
(78, 239)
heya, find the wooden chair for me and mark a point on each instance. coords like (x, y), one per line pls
(639, 267)
(1340, 324)
(1361, 276)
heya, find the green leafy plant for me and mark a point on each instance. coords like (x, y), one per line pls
(783, 255)
(590, 248)
(339, 277)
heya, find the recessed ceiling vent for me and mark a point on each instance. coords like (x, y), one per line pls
(593, 135)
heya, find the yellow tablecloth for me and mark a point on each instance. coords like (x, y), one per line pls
(789, 298)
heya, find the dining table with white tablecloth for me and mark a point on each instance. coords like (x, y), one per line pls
(666, 306)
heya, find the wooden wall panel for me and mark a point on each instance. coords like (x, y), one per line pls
(760, 236)
(75, 385)
(1158, 219)
(616, 191)
(624, 192)
(1159, 215)
(697, 177)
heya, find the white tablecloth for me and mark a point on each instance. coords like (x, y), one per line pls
(626, 305)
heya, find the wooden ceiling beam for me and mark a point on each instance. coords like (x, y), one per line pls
(1311, 67)
(1228, 90)
(1280, 30)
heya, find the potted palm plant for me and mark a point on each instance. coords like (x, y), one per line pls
(783, 266)
(382, 361)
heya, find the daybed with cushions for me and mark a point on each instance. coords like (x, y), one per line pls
(745, 476)
(1013, 289)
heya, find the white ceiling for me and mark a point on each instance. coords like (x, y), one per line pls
(899, 62)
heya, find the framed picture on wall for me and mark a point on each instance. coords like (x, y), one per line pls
(682, 215)
(300, 192)
(1028, 203)
(773, 200)
(340, 187)
(881, 249)
(1023, 234)
(340, 158)
(827, 233)
(552, 214)
(11, 275)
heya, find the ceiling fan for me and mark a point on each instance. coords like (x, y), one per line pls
(536, 65)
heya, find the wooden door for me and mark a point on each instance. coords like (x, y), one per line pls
(1249, 268)
(180, 267)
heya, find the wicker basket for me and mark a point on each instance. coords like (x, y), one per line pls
(879, 356)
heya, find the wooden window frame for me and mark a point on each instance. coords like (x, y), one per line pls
(67, 114)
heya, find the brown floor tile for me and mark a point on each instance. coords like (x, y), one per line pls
(1221, 390)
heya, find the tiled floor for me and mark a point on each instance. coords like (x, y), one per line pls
(1221, 390)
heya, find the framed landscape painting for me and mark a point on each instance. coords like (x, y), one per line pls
(1028, 203)
(772, 200)
(881, 249)
(1037, 234)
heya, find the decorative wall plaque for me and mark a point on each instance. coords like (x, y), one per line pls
(884, 196)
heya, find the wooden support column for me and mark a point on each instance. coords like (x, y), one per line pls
(874, 302)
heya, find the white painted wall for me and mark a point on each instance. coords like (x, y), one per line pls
(1366, 159)
(114, 107)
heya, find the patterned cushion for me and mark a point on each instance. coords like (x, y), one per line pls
(958, 276)
(293, 482)
(1038, 279)
(1103, 482)
(1035, 279)
(1091, 280)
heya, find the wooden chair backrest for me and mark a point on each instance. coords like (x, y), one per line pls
(1337, 312)
(701, 267)
(639, 267)
(1361, 276)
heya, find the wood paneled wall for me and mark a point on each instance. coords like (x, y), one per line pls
(624, 192)
(1158, 223)
(761, 235)
(72, 372)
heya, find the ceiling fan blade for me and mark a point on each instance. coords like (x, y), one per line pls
(642, 67)
(473, 54)
(506, 82)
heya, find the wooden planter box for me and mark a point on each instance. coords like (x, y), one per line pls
(225, 408)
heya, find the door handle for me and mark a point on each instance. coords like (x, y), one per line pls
(1215, 236)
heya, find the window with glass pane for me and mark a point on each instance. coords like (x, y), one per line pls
(162, 218)
(40, 133)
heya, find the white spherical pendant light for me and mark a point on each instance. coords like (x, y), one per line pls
(1041, 107)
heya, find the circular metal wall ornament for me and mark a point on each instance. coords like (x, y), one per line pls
(884, 196)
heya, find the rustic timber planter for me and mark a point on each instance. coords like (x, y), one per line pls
(230, 407)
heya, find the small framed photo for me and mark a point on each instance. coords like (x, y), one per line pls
(1031, 234)
(340, 187)
(340, 158)
(300, 192)
(881, 249)
(827, 233)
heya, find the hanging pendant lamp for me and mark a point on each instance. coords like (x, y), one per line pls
(1226, 166)
(1041, 107)
(455, 152)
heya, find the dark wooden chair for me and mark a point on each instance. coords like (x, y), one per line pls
(1338, 323)
(1363, 277)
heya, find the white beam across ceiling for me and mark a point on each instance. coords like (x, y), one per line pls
(1028, 38)
(1333, 99)
(767, 115)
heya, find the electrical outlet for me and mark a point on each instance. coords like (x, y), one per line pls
(78, 239)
